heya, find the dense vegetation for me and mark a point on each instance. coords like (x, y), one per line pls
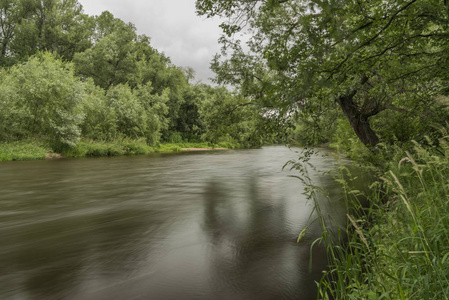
(82, 85)
(371, 78)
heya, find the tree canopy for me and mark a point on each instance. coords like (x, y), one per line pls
(365, 56)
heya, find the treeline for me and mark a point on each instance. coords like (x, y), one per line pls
(66, 76)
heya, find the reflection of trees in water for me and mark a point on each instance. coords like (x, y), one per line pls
(254, 251)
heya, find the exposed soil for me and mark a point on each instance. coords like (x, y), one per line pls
(53, 156)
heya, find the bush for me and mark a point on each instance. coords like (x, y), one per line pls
(22, 150)
(175, 137)
(135, 147)
(346, 141)
(42, 97)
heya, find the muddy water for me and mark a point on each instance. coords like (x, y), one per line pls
(208, 225)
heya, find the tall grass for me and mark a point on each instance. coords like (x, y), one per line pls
(23, 150)
(107, 148)
(399, 247)
(176, 147)
(34, 149)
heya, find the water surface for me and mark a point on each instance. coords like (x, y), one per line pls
(210, 225)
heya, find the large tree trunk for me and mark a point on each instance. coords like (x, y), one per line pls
(358, 120)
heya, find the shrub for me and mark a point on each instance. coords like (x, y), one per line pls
(42, 96)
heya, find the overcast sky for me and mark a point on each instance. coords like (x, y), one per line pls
(173, 27)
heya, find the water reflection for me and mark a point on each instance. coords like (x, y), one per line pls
(219, 225)
(263, 260)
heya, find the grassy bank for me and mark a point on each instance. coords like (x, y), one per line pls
(34, 149)
(23, 150)
(399, 248)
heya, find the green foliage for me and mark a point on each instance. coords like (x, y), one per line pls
(23, 150)
(120, 57)
(345, 141)
(112, 60)
(122, 112)
(156, 109)
(100, 120)
(108, 148)
(175, 137)
(177, 147)
(135, 147)
(130, 116)
(94, 148)
(42, 96)
(190, 124)
(30, 26)
(396, 129)
(309, 131)
(366, 56)
(228, 118)
(399, 248)
(126, 90)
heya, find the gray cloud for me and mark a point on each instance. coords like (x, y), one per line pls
(172, 25)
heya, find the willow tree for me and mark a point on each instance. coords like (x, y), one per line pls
(363, 56)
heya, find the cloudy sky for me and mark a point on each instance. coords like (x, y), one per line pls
(173, 27)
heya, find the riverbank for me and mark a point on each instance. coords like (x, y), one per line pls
(399, 247)
(34, 149)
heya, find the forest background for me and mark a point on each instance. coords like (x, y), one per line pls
(84, 85)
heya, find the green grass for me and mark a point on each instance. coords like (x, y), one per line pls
(34, 149)
(176, 147)
(130, 147)
(107, 148)
(399, 248)
(23, 150)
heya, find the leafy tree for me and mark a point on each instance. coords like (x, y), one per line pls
(364, 56)
(155, 106)
(100, 119)
(190, 124)
(11, 14)
(229, 118)
(120, 56)
(130, 117)
(123, 112)
(29, 26)
(111, 61)
(42, 97)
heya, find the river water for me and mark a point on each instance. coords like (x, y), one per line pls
(209, 225)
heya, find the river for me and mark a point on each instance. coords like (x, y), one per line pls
(209, 225)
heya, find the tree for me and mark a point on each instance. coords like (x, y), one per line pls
(112, 60)
(155, 106)
(42, 97)
(29, 26)
(189, 124)
(130, 116)
(11, 12)
(120, 56)
(230, 118)
(364, 56)
(123, 112)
